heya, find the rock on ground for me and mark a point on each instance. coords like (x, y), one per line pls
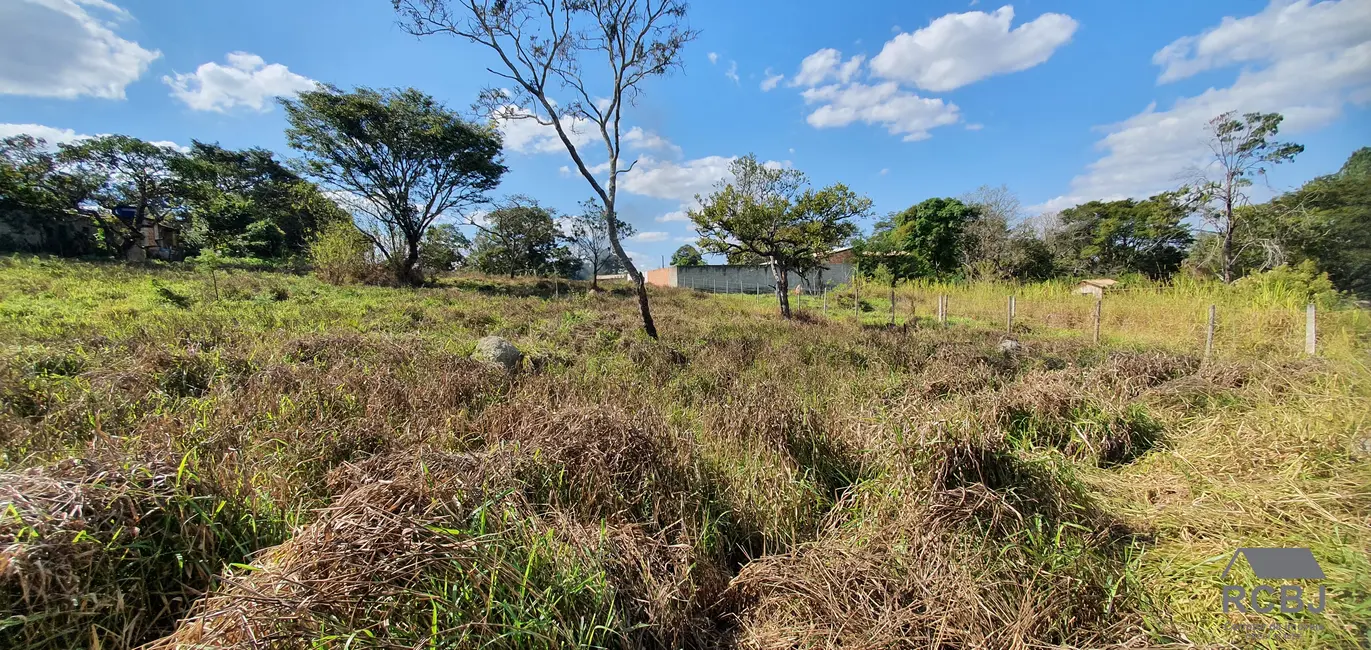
(494, 349)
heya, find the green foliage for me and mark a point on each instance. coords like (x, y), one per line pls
(1128, 236)
(1284, 284)
(341, 254)
(921, 241)
(403, 158)
(770, 212)
(39, 200)
(129, 172)
(590, 241)
(687, 256)
(1029, 258)
(521, 237)
(247, 204)
(1328, 220)
(1243, 149)
(443, 248)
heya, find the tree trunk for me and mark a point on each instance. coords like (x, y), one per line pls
(639, 284)
(778, 272)
(1227, 251)
(408, 271)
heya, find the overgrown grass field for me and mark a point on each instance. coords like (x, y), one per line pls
(265, 460)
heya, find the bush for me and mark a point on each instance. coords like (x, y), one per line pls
(1286, 285)
(341, 254)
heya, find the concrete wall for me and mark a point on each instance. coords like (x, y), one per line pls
(723, 278)
(663, 277)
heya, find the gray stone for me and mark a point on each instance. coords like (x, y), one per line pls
(494, 349)
(1009, 346)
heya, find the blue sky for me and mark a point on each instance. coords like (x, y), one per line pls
(1061, 101)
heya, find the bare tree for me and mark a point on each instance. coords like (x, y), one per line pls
(986, 240)
(588, 233)
(1241, 149)
(543, 46)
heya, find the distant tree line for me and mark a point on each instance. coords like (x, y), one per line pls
(1206, 228)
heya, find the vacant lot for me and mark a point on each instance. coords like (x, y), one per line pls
(264, 460)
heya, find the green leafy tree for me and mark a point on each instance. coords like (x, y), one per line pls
(443, 249)
(1327, 221)
(247, 204)
(923, 240)
(402, 159)
(130, 172)
(520, 236)
(1242, 150)
(1028, 258)
(687, 256)
(986, 237)
(1128, 236)
(771, 213)
(596, 57)
(588, 235)
(40, 200)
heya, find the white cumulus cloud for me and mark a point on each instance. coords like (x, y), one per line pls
(713, 57)
(1147, 152)
(52, 135)
(770, 81)
(244, 80)
(827, 64)
(900, 112)
(1286, 29)
(637, 138)
(67, 49)
(958, 49)
(651, 236)
(732, 72)
(678, 181)
(524, 134)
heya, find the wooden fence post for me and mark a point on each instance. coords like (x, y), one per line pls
(824, 289)
(1009, 316)
(857, 299)
(1099, 302)
(942, 309)
(892, 303)
(1310, 324)
(1209, 333)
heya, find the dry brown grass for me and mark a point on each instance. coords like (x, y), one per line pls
(744, 482)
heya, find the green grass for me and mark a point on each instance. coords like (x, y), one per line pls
(743, 482)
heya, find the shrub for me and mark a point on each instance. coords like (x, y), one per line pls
(341, 254)
(1283, 285)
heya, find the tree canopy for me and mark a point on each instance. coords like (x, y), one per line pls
(125, 171)
(687, 255)
(770, 212)
(922, 240)
(588, 234)
(400, 159)
(1102, 238)
(520, 236)
(1242, 149)
(249, 204)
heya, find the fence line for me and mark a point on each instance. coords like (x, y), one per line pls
(1090, 321)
